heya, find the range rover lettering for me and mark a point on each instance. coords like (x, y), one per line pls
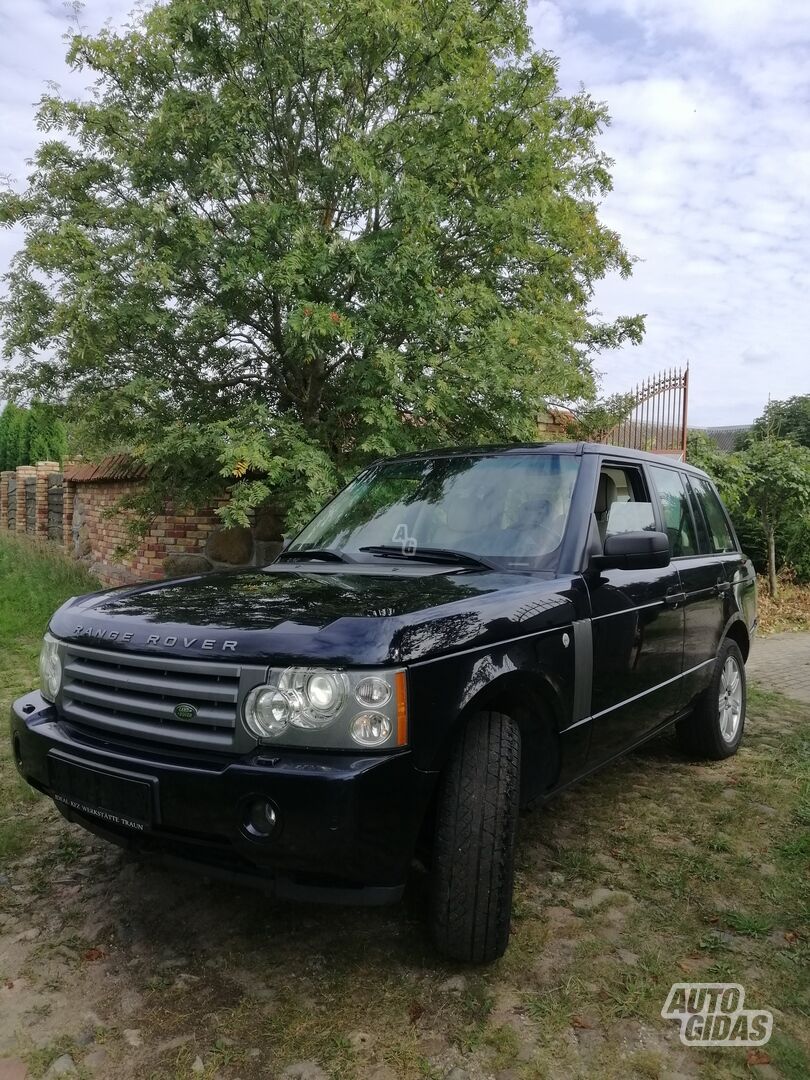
(456, 635)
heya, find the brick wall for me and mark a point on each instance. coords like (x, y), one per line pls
(552, 423)
(175, 542)
(80, 510)
(180, 541)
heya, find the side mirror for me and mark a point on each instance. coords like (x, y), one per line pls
(634, 551)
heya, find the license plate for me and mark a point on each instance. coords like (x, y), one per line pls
(110, 797)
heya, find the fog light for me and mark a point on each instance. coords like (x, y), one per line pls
(371, 728)
(260, 819)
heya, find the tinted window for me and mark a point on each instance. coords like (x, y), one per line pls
(704, 542)
(719, 532)
(678, 521)
(510, 508)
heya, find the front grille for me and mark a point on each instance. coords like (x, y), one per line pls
(135, 696)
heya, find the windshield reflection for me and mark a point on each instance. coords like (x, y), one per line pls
(510, 509)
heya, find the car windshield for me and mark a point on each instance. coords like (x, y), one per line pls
(509, 510)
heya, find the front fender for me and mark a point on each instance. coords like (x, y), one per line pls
(533, 674)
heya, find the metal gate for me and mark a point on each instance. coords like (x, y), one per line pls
(657, 421)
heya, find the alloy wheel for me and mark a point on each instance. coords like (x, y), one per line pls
(730, 699)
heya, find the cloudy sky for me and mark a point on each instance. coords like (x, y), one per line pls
(710, 136)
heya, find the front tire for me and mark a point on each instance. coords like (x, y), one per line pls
(473, 860)
(715, 728)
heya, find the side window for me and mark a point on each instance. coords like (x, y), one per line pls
(720, 537)
(678, 522)
(704, 541)
(622, 501)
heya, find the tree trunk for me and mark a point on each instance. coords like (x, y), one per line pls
(772, 560)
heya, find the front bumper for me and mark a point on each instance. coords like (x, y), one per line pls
(347, 824)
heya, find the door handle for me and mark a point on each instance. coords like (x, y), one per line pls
(673, 598)
(723, 587)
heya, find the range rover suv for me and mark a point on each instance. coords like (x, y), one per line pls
(456, 635)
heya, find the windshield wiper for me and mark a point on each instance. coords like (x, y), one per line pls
(316, 554)
(430, 554)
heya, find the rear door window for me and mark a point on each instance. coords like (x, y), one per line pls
(676, 511)
(720, 536)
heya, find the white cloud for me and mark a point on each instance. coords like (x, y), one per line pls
(711, 185)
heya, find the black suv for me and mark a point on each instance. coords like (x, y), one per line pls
(455, 635)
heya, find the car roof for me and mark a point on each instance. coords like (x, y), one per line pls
(576, 449)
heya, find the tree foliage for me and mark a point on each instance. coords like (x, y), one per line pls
(727, 470)
(45, 436)
(788, 419)
(593, 421)
(285, 237)
(777, 490)
(31, 435)
(13, 436)
(766, 487)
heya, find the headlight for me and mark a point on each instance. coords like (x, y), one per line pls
(337, 709)
(267, 711)
(316, 696)
(50, 669)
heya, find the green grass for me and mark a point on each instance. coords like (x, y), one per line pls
(34, 580)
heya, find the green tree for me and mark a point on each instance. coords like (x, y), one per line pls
(3, 436)
(788, 419)
(777, 488)
(284, 237)
(46, 439)
(13, 436)
(727, 470)
(593, 421)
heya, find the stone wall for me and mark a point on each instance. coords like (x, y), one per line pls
(54, 506)
(30, 487)
(31, 500)
(8, 500)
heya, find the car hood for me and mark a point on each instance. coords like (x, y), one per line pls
(348, 615)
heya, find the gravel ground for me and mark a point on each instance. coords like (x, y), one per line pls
(654, 871)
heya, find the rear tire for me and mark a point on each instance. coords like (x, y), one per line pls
(715, 728)
(473, 859)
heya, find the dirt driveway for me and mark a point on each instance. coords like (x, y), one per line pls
(654, 871)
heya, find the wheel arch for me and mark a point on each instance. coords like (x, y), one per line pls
(534, 703)
(737, 631)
